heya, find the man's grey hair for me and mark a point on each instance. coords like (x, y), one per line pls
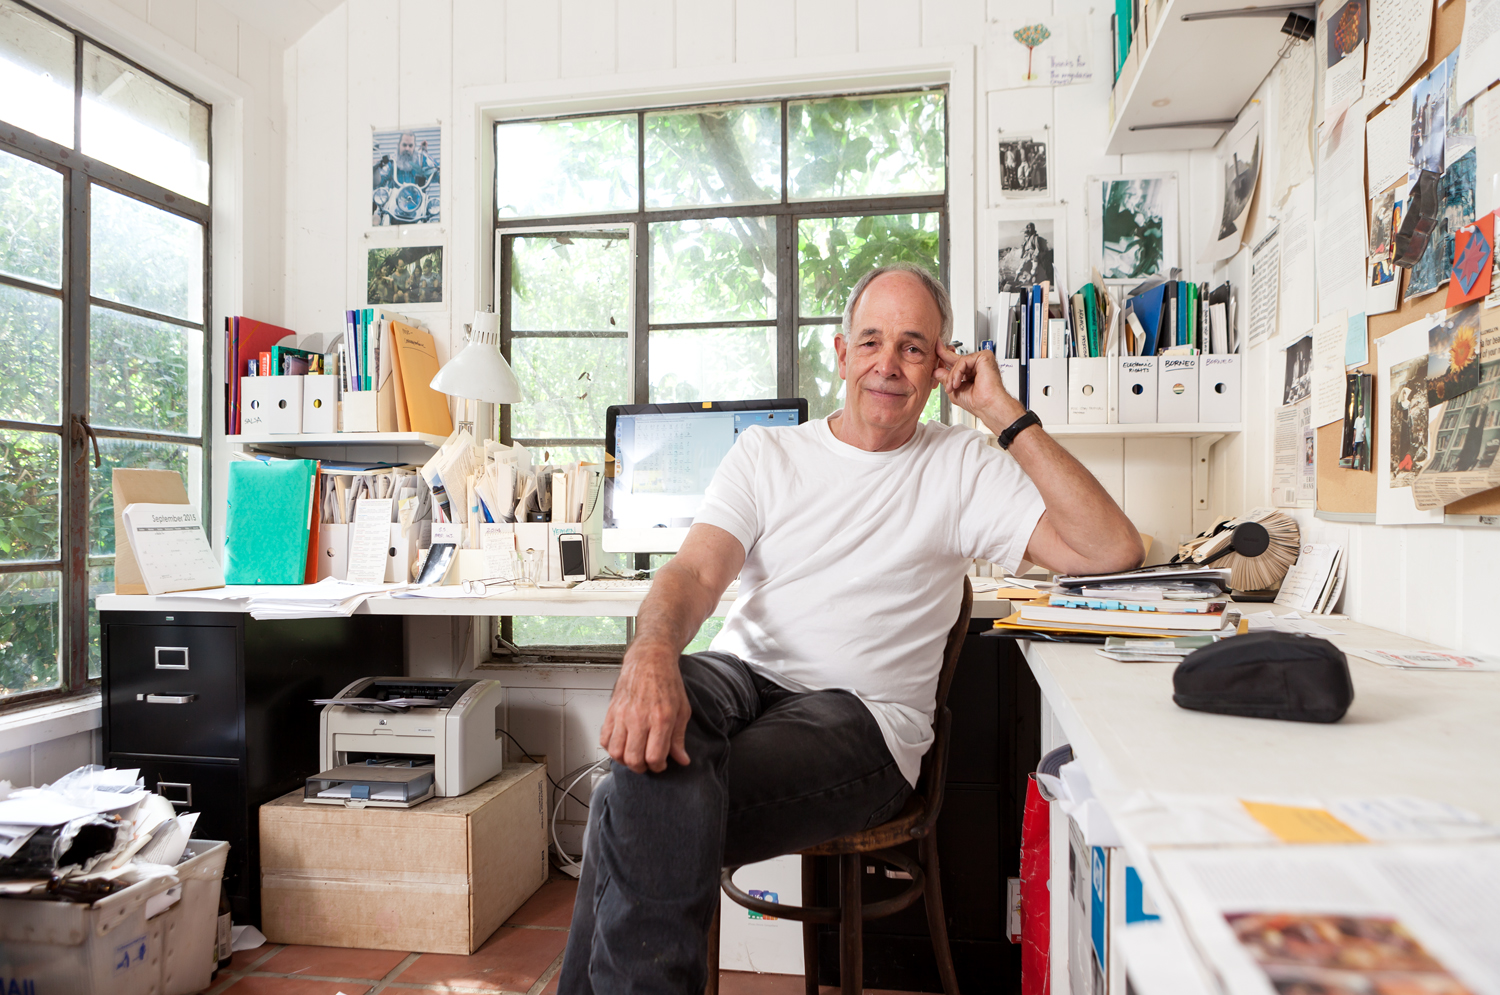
(937, 290)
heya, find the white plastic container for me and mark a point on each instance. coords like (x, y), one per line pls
(112, 947)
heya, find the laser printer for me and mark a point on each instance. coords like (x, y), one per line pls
(378, 721)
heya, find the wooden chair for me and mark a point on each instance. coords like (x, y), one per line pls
(916, 821)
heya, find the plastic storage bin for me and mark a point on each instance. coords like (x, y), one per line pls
(112, 947)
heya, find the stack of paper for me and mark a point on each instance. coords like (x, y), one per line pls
(1126, 650)
(1314, 582)
(328, 598)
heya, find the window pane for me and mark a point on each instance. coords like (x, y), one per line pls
(145, 257)
(834, 253)
(143, 373)
(30, 219)
(136, 122)
(30, 340)
(715, 155)
(565, 630)
(713, 364)
(101, 581)
(130, 453)
(581, 166)
(866, 147)
(565, 386)
(30, 617)
(722, 269)
(36, 74)
(28, 496)
(570, 283)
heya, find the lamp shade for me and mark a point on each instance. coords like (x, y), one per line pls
(478, 371)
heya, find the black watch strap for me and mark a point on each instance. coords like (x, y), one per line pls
(1017, 427)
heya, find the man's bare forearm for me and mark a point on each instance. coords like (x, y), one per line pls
(686, 591)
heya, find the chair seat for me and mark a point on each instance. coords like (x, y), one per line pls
(882, 837)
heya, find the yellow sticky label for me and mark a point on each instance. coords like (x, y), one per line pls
(708, 404)
(1291, 824)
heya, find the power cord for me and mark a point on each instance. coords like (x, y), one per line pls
(569, 866)
(534, 760)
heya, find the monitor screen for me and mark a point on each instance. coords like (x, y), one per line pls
(664, 457)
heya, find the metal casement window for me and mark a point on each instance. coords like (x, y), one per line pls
(85, 180)
(784, 214)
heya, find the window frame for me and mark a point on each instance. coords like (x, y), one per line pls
(76, 436)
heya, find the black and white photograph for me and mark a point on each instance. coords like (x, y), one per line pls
(1429, 120)
(1133, 225)
(1023, 166)
(1239, 170)
(407, 274)
(1025, 251)
(1298, 371)
(406, 178)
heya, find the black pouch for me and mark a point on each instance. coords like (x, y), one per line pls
(1266, 675)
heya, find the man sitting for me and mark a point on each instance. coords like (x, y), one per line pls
(808, 717)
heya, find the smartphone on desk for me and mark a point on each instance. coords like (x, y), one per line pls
(570, 549)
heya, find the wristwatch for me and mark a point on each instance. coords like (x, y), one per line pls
(1017, 427)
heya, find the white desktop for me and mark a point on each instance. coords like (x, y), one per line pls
(664, 456)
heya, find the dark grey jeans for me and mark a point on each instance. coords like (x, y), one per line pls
(772, 771)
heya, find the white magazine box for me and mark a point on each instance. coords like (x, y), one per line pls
(1219, 388)
(358, 411)
(1136, 392)
(1010, 376)
(1088, 390)
(271, 405)
(320, 405)
(1177, 390)
(1048, 391)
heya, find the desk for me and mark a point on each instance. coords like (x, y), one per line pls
(1431, 735)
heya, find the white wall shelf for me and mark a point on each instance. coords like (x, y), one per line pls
(1194, 71)
(1156, 430)
(342, 439)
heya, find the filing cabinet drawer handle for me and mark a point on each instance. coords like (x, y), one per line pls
(166, 699)
(187, 793)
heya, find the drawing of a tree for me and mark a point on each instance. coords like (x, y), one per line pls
(1031, 36)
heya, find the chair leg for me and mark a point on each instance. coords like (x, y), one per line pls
(711, 986)
(937, 922)
(851, 926)
(809, 929)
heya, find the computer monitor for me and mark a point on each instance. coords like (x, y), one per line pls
(662, 457)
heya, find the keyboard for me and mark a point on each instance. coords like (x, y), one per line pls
(610, 584)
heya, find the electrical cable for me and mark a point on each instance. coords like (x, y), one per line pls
(570, 866)
(534, 760)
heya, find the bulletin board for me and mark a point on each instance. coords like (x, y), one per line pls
(1353, 491)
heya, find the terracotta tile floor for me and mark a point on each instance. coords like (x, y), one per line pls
(522, 958)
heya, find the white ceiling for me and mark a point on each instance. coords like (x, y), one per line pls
(282, 21)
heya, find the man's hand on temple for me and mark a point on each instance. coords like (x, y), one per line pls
(973, 383)
(648, 712)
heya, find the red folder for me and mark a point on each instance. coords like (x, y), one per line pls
(248, 338)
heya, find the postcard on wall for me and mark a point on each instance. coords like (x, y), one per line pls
(1473, 262)
(406, 176)
(1455, 210)
(1023, 166)
(1467, 433)
(1354, 450)
(405, 275)
(1239, 170)
(1347, 29)
(1298, 381)
(1429, 120)
(1401, 437)
(1031, 46)
(1133, 225)
(1453, 356)
(1027, 245)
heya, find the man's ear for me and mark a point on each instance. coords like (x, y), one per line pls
(841, 349)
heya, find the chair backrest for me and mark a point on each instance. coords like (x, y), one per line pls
(935, 763)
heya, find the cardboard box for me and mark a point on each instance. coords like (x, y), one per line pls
(437, 878)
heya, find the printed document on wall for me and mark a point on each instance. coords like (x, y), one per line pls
(1328, 368)
(1480, 65)
(1389, 137)
(1294, 120)
(1293, 473)
(1399, 33)
(1340, 233)
(1265, 285)
(1297, 302)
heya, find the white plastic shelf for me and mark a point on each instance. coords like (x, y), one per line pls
(342, 439)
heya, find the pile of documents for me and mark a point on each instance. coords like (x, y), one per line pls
(1126, 650)
(90, 833)
(1316, 580)
(328, 598)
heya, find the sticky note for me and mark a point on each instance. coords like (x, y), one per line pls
(1292, 824)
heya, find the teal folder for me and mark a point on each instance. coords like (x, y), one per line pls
(266, 528)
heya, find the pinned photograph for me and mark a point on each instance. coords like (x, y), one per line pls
(1382, 239)
(1408, 420)
(1023, 166)
(1240, 169)
(1133, 225)
(1298, 383)
(406, 177)
(1453, 356)
(1347, 30)
(408, 274)
(1025, 252)
(1429, 120)
(1455, 210)
(1354, 451)
(1473, 262)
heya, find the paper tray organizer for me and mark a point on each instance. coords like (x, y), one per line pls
(397, 784)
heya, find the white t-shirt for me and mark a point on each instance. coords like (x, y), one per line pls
(854, 561)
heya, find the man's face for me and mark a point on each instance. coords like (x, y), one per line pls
(408, 144)
(889, 357)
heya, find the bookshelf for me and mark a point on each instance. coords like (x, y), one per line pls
(341, 439)
(1155, 430)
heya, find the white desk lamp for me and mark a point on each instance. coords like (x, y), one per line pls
(478, 372)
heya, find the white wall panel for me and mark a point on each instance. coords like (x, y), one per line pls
(532, 37)
(424, 41)
(177, 19)
(765, 29)
(317, 218)
(140, 8)
(15, 767)
(56, 757)
(1158, 492)
(952, 22)
(705, 32)
(826, 27)
(479, 42)
(1432, 589)
(647, 35)
(889, 24)
(1478, 584)
(217, 36)
(588, 37)
(1105, 459)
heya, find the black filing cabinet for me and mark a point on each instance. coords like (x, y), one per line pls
(215, 709)
(996, 743)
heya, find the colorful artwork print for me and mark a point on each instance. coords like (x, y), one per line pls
(1453, 356)
(1408, 420)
